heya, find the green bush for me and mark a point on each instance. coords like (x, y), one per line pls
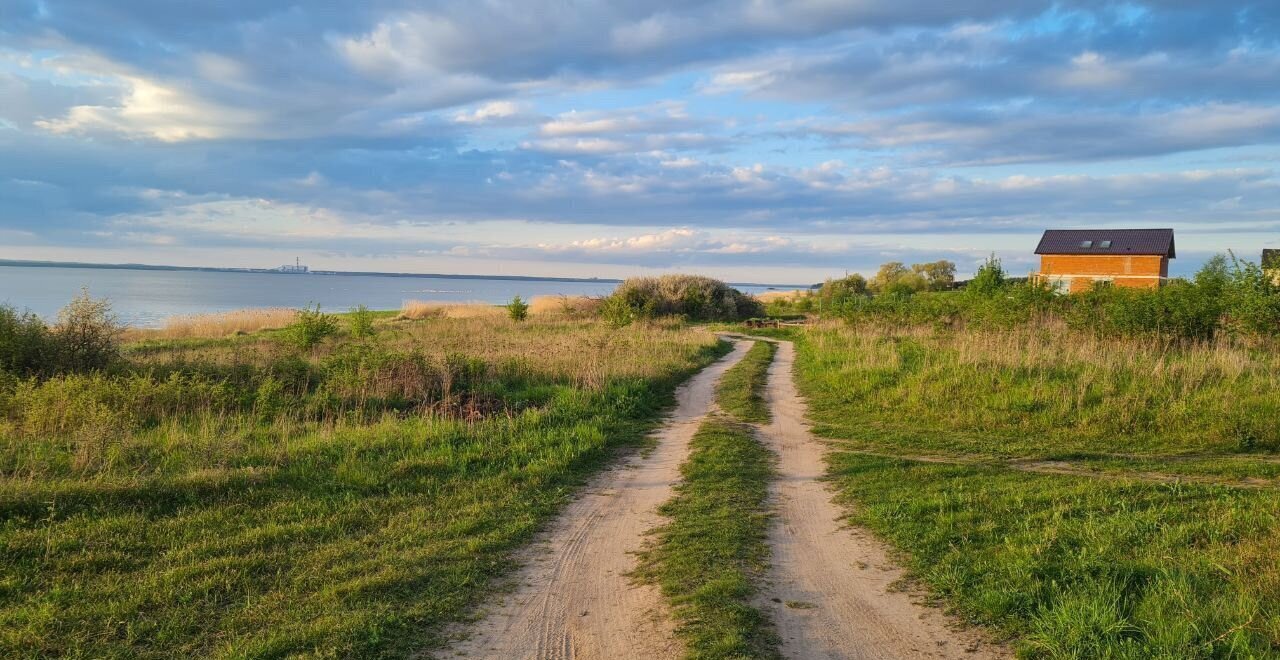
(87, 334)
(695, 297)
(1227, 296)
(27, 348)
(311, 328)
(360, 321)
(518, 309)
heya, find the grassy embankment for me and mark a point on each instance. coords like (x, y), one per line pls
(707, 558)
(241, 497)
(1113, 564)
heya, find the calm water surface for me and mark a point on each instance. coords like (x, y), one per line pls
(147, 297)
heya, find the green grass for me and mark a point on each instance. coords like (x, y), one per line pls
(1034, 393)
(235, 499)
(1066, 566)
(741, 389)
(708, 557)
(1082, 568)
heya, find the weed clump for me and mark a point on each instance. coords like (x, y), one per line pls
(311, 327)
(360, 322)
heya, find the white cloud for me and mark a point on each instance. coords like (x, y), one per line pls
(138, 106)
(491, 112)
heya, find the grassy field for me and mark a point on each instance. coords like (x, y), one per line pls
(242, 497)
(709, 556)
(1155, 550)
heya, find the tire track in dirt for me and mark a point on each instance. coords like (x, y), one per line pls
(573, 598)
(831, 588)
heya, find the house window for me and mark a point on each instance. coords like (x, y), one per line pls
(1104, 244)
(1086, 244)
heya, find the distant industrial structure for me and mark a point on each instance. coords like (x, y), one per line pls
(296, 269)
(1073, 260)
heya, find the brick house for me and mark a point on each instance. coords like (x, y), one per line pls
(1072, 260)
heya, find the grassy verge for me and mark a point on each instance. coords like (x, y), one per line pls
(241, 499)
(1069, 566)
(741, 389)
(707, 557)
(1083, 568)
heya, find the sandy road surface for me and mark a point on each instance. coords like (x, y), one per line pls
(829, 585)
(574, 599)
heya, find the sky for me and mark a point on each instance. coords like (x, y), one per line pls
(780, 141)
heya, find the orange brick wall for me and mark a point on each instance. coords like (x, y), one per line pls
(1143, 271)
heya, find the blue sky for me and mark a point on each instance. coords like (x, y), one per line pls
(762, 140)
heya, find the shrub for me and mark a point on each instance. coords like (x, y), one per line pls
(989, 280)
(26, 345)
(518, 309)
(360, 321)
(695, 297)
(311, 327)
(1251, 299)
(87, 334)
(617, 311)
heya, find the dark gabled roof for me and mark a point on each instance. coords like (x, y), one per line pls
(1271, 259)
(1122, 241)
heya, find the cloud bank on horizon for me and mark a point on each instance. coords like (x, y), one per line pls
(764, 140)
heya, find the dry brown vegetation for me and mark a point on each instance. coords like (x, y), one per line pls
(427, 309)
(216, 325)
(775, 296)
(571, 306)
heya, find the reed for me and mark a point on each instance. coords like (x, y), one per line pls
(212, 326)
(416, 310)
(569, 306)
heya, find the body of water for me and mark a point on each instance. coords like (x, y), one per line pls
(145, 298)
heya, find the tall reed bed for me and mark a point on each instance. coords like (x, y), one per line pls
(416, 310)
(220, 324)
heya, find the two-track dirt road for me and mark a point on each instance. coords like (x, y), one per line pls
(574, 599)
(828, 590)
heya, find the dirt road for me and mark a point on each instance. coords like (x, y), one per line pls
(829, 587)
(574, 599)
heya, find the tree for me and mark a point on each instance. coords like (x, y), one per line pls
(360, 321)
(518, 309)
(989, 280)
(887, 275)
(87, 333)
(938, 275)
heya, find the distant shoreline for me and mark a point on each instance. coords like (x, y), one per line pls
(272, 271)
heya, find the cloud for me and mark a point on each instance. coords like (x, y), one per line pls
(1036, 135)
(779, 133)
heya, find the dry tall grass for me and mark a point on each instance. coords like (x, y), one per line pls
(221, 324)
(426, 309)
(774, 296)
(571, 306)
